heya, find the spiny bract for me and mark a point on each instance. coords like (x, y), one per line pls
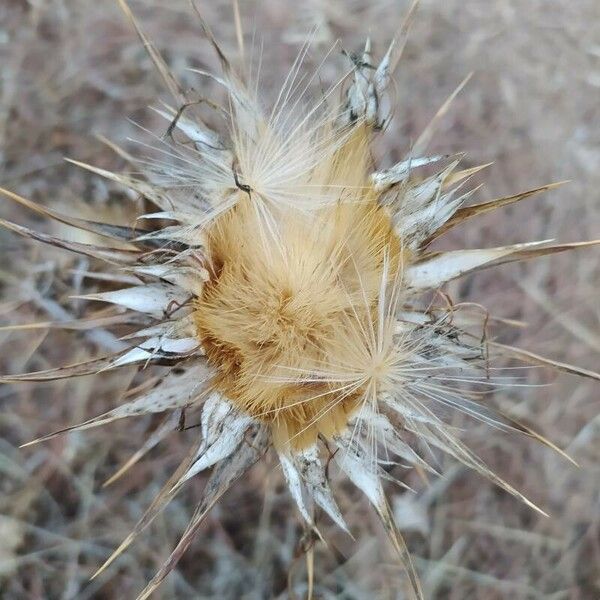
(283, 282)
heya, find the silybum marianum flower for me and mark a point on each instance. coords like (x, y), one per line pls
(285, 280)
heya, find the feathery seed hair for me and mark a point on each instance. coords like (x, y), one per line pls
(284, 279)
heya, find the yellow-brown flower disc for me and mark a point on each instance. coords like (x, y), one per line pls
(285, 285)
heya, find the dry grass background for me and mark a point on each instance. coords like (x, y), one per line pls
(73, 68)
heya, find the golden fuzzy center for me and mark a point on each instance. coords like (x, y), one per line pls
(273, 317)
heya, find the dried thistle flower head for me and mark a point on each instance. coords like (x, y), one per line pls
(285, 284)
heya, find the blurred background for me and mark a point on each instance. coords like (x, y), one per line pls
(74, 70)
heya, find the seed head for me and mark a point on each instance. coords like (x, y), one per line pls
(286, 280)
